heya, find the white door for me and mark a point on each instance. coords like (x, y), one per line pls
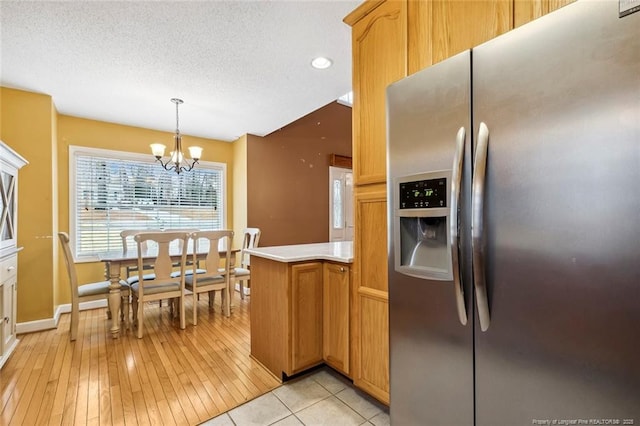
(340, 204)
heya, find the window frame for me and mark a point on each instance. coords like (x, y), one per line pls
(75, 151)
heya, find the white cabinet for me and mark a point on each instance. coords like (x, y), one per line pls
(8, 281)
(10, 163)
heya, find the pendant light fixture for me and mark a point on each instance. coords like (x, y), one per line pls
(177, 159)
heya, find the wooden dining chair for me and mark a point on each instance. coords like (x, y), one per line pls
(127, 243)
(216, 275)
(90, 291)
(163, 285)
(250, 239)
(188, 231)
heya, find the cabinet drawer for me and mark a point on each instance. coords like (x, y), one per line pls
(8, 267)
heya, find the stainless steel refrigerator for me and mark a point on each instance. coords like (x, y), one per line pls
(514, 227)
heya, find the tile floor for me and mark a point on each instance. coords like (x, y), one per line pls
(321, 397)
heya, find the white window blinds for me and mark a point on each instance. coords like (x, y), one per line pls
(111, 191)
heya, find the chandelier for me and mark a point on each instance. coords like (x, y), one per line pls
(176, 161)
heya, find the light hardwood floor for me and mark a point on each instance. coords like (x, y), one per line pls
(170, 376)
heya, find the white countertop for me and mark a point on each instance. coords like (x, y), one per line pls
(340, 251)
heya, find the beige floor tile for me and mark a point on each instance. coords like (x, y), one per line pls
(330, 412)
(330, 380)
(221, 420)
(264, 410)
(381, 419)
(301, 393)
(359, 402)
(289, 421)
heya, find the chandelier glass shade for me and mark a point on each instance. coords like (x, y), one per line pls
(176, 160)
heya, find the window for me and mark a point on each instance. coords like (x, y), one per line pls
(340, 204)
(112, 190)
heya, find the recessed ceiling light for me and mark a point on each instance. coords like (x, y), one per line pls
(321, 63)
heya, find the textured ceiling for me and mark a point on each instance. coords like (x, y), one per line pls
(240, 66)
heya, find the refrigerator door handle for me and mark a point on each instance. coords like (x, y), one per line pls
(454, 224)
(477, 225)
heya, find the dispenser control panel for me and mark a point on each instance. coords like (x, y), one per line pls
(423, 194)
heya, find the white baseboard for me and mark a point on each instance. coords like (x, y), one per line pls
(49, 323)
(33, 326)
(8, 351)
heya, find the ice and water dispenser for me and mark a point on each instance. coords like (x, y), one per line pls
(422, 229)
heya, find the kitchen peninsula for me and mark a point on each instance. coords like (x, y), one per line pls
(300, 307)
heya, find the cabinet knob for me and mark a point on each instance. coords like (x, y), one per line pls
(11, 268)
(6, 319)
(342, 269)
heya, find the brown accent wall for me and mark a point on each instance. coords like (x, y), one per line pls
(288, 176)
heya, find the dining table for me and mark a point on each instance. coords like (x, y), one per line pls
(117, 260)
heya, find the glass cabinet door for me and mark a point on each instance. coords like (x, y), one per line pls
(7, 207)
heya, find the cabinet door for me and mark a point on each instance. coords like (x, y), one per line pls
(557, 4)
(458, 25)
(379, 58)
(8, 206)
(373, 372)
(306, 315)
(8, 319)
(527, 10)
(2, 314)
(335, 320)
(371, 352)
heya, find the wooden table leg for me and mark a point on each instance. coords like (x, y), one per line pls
(114, 298)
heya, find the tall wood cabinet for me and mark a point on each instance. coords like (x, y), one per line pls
(390, 40)
(10, 163)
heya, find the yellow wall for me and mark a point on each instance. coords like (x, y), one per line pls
(239, 189)
(28, 125)
(58, 265)
(98, 134)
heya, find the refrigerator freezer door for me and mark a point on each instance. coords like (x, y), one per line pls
(561, 97)
(431, 372)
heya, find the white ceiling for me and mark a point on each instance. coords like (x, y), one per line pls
(240, 66)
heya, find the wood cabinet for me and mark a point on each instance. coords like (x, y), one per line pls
(371, 317)
(379, 58)
(10, 163)
(306, 316)
(459, 25)
(286, 315)
(527, 10)
(336, 296)
(392, 39)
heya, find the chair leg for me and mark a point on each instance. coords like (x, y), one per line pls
(195, 309)
(134, 308)
(175, 307)
(241, 289)
(183, 321)
(140, 319)
(226, 302)
(74, 321)
(212, 298)
(124, 313)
